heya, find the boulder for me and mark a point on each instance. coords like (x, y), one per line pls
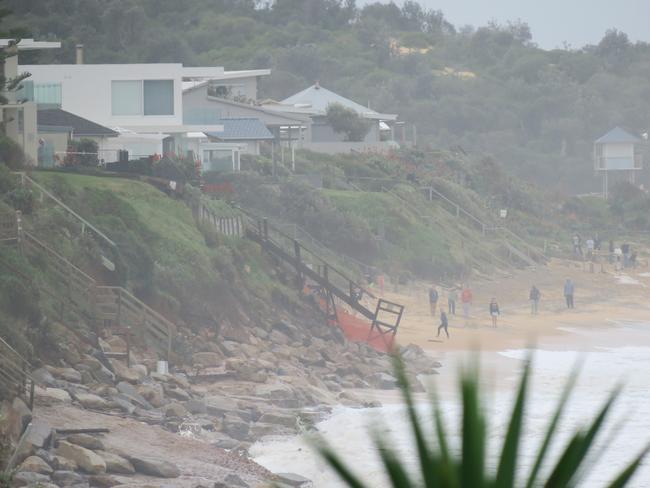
(61, 463)
(28, 478)
(277, 337)
(235, 427)
(103, 481)
(176, 410)
(89, 400)
(207, 359)
(67, 478)
(231, 481)
(86, 459)
(177, 393)
(36, 437)
(287, 329)
(152, 417)
(219, 405)
(278, 419)
(132, 394)
(85, 440)
(43, 377)
(70, 375)
(196, 407)
(155, 467)
(293, 479)
(124, 373)
(123, 403)
(383, 381)
(116, 464)
(153, 393)
(35, 464)
(51, 396)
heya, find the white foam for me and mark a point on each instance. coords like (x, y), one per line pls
(628, 280)
(347, 429)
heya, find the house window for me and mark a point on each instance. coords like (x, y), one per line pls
(126, 97)
(142, 97)
(218, 160)
(158, 97)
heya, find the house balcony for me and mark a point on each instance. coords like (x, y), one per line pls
(629, 163)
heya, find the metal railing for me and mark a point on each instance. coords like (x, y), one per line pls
(15, 378)
(117, 304)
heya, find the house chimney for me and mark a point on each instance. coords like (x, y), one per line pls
(317, 84)
(80, 54)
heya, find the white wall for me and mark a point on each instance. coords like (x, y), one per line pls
(86, 89)
(620, 150)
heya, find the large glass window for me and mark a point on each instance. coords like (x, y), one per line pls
(158, 97)
(126, 97)
(218, 160)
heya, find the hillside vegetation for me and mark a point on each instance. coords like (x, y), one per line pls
(489, 90)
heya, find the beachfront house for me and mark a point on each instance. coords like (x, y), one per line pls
(617, 157)
(19, 114)
(143, 103)
(314, 101)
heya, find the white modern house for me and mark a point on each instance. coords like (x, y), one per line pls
(314, 101)
(18, 115)
(617, 157)
(142, 102)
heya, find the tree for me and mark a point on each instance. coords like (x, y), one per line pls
(346, 121)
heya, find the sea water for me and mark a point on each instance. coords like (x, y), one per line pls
(627, 431)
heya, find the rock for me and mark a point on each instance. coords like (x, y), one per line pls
(67, 478)
(124, 373)
(153, 393)
(86, 440)
(235, 427)
(86, 459)
(70, 375)
(103, 481)
(152, 417)
(383, 381)
(123, 403)
(132, 394)
(225, 442)
(35, 464)
(277, 337)
(116, 464)
(51, 396)
(219, 405)
(155, 467)
(278, 419)
(259, 430)
(287, 329)
(293, 479)
(89, 400)
(279, 394)
(43, 377)
(207, 359)
(60, 463)
(177, 394)
(231, 481)
(103, 375)
(176, 410)
(28, 478)
(36, 437)
(196, 407)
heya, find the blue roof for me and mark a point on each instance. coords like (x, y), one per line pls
(617, 135)
(241, 129)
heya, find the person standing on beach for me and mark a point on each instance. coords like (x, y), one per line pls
(569, 289)
(534, 296)
(494, 311)
(452, 296)
(444, 323)
(433, 299)
(466, 298)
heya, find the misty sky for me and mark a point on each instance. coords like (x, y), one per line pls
(578, 22)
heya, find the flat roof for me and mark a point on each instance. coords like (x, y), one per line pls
(31, 45)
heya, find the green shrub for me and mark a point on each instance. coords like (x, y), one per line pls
(11, 154)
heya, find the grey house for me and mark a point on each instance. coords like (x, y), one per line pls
(313, 103)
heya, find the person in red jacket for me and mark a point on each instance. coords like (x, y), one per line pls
(466, 298)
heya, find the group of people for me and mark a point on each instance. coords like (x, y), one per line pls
(622, 256)
(467, 297)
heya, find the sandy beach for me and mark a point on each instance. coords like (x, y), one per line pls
(601, 298)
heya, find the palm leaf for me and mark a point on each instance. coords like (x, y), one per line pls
(508, 462)
(473, 432)
(622, 479)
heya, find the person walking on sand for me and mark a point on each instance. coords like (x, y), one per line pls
(433, 299)
(569, 289)
(444, 323)
(534, 296)
(466, 298)
(452, 296)
(494, 311)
